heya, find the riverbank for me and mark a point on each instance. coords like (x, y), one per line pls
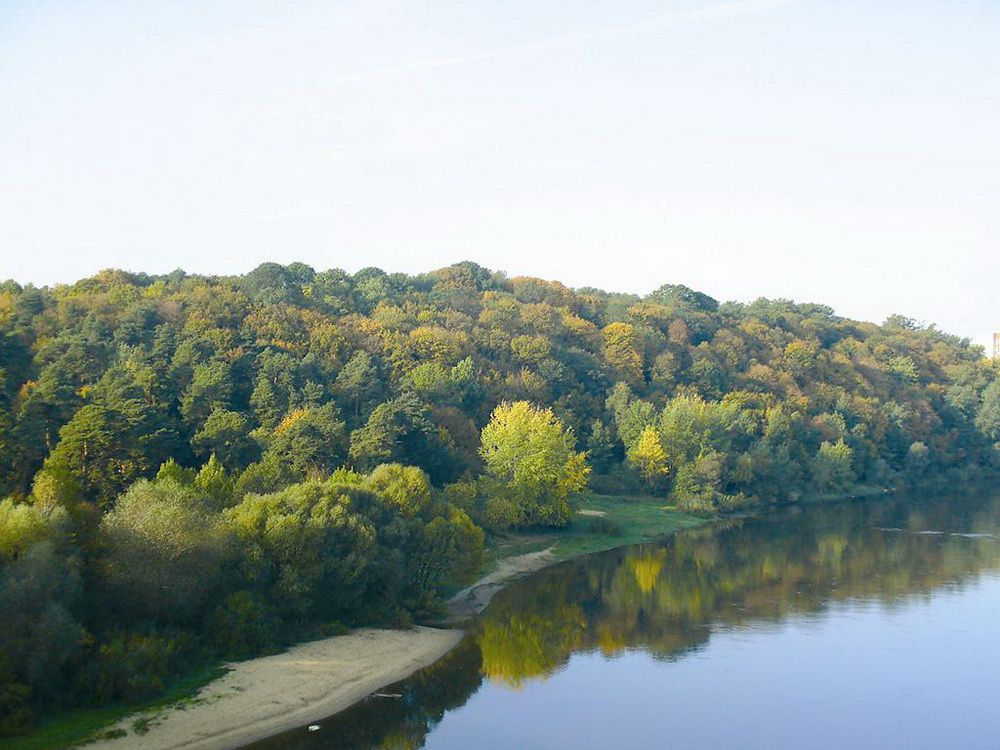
(264, 696)
(267, 695)
(601, 522)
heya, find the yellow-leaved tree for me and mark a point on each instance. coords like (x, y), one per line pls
(648, 456)
(531, 467)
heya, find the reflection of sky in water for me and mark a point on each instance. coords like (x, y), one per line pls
(922, 674)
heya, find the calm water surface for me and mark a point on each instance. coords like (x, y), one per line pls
(873, 625)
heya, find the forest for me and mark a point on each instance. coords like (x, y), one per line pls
(202, 468)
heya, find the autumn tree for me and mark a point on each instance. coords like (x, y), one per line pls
(531, 465)
(648, 456)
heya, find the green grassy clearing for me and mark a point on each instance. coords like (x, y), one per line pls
(626, 520)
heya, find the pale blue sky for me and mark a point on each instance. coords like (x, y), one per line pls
(836, 151)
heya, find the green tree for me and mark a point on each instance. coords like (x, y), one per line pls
(833, 466)
(358, 384)
(408, 488)
(623, 350)
(215, 482)
(988, 417)
(226, 436)
(307, 547)
(211, 388)
(166, 552)
(311, 439)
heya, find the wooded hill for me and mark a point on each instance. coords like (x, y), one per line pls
(203, 466)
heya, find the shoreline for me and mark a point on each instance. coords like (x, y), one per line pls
(310, 682)
(268, 695)
(473, 599)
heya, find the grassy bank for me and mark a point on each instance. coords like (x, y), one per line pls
(857, 492)
(602, 522)
(84, 725)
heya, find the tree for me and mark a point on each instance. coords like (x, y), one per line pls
(531, 465)
(23, 525)
(94, 448)
(271, 283)
(213, 480)
(401, 431)
(166, 552)
(832, 466)
(265, 402)
(408, 488)
(308, 547)
(309, 440)
(988, 418)
(41, 640)
(601, 446)
(225, 436)
(451, 551)
(623, 350)
(358, 384)
(648, 456)
(211, 388)
(631, 414)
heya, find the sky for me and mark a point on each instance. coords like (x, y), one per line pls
(835, 151)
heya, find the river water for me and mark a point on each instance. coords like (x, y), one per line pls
(867, 625)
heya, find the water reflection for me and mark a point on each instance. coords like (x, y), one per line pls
(667, 600)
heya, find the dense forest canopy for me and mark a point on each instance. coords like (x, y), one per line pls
(218, 464)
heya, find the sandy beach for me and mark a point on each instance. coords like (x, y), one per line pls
(308, 683)
(312, 681)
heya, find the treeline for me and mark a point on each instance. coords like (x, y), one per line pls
(201, 467)
(102, 609)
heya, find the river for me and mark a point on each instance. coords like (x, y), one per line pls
(865, 625)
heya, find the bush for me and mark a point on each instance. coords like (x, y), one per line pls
(129, 668)
(243, 625)
(604, 526)
(621, 480)
(15, 714)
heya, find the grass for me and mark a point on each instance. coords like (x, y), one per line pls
(626, 520)
(84, 725)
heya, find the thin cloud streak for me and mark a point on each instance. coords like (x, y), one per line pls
(614, 32)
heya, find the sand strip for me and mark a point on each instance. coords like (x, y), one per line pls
(308, 683)
(312, 681)
(469, 602)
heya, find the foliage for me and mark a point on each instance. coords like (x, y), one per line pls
(648, 456)
(988, 418)
(166, 551)
(531, 465)
(222, 464)
(832, 467)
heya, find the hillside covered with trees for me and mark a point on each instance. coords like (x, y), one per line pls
(206, 467)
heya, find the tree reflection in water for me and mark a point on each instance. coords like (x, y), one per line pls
(667, 599)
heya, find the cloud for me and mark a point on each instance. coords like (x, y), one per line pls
(612, 32)
(304, 211)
